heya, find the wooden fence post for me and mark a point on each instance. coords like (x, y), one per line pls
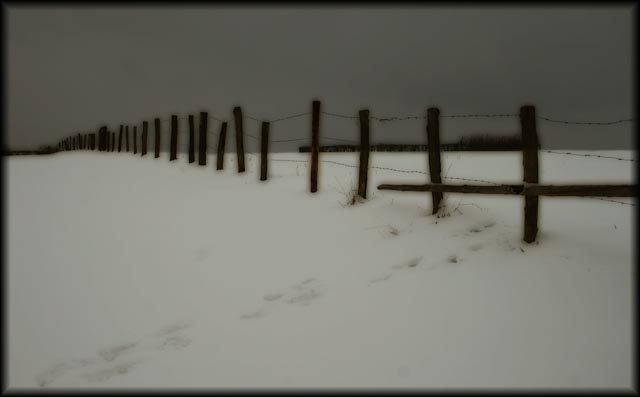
(135, 139)
(126, 137)
(315, 144)
(113, 141)
(364, 153)
(221, 143)
(157, 141)
(192, 144)
(433, 146)
(79, 141)
(530, 165)
(264, 145)
(120, 138)
(202, 152)
(145, 130)
(174, 138)
(237, 117)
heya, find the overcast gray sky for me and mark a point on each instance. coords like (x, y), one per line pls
(73, 69)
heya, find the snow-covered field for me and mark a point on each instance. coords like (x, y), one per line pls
(133, 272)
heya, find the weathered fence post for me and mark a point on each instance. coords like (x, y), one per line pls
(145, 128)
(102, 140)
(202, 152)
(315, 144)
(192, 144)
(364, 153)
(264, 146)
(221, 143)
(113, 141)
(530, 165)
(237, 117)
(120, 138)
(126, 137)
(174, 138)
(135, 139)
(433, 146)
(157, 141)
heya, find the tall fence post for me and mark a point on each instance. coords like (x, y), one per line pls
(145, 130)
(120, 138)
(221, 143)
(157, 140)
(126, 138)
(174, 138)
(433, 146)
(135, 139)
(365, 147)
(530, 167)
(315, 144)
(202, 150)
(192, 144)
(264, 146)
(237, 117)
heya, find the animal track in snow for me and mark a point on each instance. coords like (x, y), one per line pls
(410, 264)
(113, 352)
(380, 279)
(302, 294)
(108, 373)
(93, 370)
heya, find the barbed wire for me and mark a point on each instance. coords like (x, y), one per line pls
(587, 155)
(490, 115)
(614, 201)
(585, 122)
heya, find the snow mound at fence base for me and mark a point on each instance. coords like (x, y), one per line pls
(139, 272)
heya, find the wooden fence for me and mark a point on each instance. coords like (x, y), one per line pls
(530, 189)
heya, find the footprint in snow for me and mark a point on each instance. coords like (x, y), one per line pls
(108, 373)
(170, 329)
(171, 340)
(380, 279)
(410, 264)
(110, 354)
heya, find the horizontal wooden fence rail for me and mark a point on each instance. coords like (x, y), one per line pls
(532, 190)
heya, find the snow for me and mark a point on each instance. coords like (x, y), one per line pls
(132, 272)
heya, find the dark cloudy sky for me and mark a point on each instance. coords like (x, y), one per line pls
(73, 69)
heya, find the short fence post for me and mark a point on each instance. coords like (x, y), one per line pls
(433, 146)
(202, 150)
(221, 142)
(237, 117)
(135, 139)
(157, 141)
(315, 144)
(530, 165)
(174, 138)
(113, 141)
(145, 130)
(120, 138)
(364, 153)
(264, 145)
(126, 139)
(192, 144)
